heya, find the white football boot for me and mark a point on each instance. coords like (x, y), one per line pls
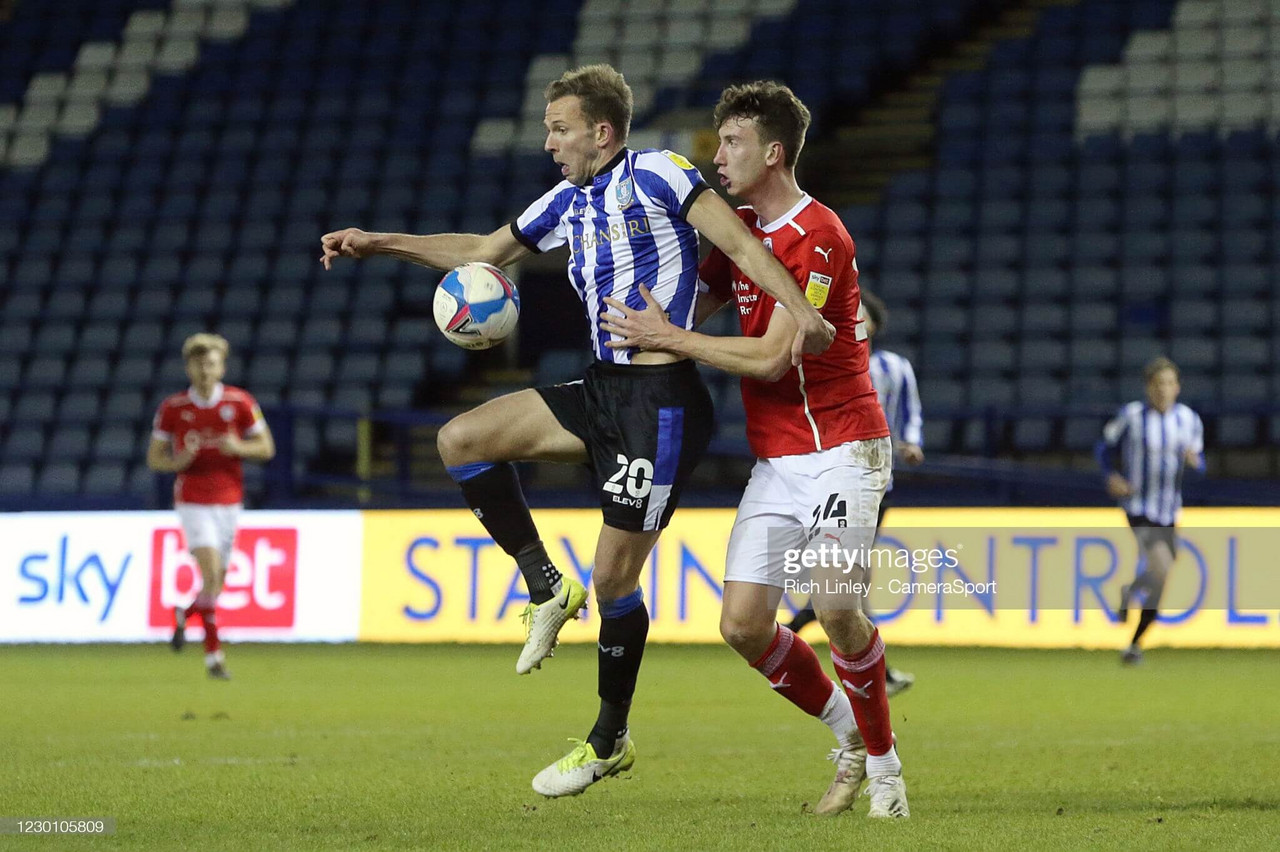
(851, 769)
(888, 794)
(542, 623)
(580, 768)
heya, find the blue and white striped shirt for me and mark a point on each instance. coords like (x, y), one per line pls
(895, 384)
(624, 229)
(1152, 449)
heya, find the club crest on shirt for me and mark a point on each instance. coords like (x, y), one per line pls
(818, 288)
(188, 416)
(624, 192)
(227, 413)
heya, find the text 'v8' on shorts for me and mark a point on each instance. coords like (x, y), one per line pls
(645, 427)
(834, 493)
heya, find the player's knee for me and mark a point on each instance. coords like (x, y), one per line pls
(456, 442)
(611, 586)
(744, 635)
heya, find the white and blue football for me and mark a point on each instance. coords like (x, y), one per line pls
(476, 306)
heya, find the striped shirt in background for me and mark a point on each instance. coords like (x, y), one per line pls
(895, 384)
(1148, 449)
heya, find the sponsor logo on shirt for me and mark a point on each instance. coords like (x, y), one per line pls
(678, 160)
(818, 288)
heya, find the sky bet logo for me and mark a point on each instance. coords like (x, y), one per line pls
(70, 573)
(261, 584)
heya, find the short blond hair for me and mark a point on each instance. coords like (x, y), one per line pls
(199, 345)
(1156, 366)
(603, 93)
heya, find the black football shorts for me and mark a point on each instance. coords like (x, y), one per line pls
(646, 427)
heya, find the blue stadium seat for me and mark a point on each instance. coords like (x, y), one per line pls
(15, 340)
(990, 392)
(24, 444)
(132, 372)
(16, 477)
(1032, 434)
(88, 371)
(358, 368)
(104, 478)
(404, 367)
(1089, 354)
(991, 357)
(356, 398)
(124, 405)
(1136, 351)
(118, 444)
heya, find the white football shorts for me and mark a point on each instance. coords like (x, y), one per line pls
(835, 492)
(210, 525)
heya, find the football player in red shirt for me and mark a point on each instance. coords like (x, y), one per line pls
(819, 434)
(203, 434)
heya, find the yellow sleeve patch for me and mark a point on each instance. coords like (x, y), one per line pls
(678, 160)
(818, 288)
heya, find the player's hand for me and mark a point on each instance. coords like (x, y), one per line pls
(191, 444)
(349, 242)
(1118, 487)
(1191, 458)
(648, 329)
(230, 445)
(813, 336)
(911, 454)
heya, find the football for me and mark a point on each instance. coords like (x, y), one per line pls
(476, 306)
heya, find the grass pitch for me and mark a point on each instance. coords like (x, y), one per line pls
(395, 747)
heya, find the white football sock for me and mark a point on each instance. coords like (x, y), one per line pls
(884, 764)
(837, 715)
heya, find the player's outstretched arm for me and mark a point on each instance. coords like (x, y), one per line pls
(439, 251)
(766, 358)
(714, 218)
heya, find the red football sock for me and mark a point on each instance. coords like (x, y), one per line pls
(795, 672)
(199, 604)
(211, 643)
(863, 679)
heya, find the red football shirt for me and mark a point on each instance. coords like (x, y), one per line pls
(214, 477)
(828, 400)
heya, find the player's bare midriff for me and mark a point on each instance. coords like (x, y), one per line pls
(655, 358)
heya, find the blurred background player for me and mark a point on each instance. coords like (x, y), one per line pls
(895, 384)
(1144, 450)
(642, 422)
(821, 441)
(203, 434)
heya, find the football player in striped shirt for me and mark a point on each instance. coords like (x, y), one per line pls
(895, 384)
(1144, 451)
(641, 420)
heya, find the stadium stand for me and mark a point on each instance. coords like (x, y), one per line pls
(1101, 190)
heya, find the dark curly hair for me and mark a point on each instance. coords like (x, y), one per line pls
(778, 113)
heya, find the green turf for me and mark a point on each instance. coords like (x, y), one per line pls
(394, 747)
